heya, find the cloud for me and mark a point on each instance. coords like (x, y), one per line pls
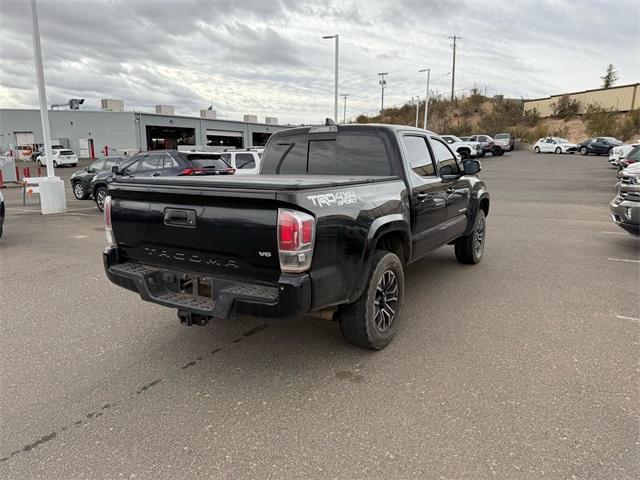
(267, 57)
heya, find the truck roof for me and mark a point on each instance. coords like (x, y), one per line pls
(354, 126)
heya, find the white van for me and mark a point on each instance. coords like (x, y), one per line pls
(246, 161)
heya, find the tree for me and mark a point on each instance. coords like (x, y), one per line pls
(610, 77)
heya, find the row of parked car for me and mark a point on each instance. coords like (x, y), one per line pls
(625, 206)
(591, 146)
(92, 182)
(477, 146)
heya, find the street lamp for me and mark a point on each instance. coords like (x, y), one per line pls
(335, 99)
(426, 98)
(52, 196)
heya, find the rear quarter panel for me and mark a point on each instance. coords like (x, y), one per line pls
(347, 221)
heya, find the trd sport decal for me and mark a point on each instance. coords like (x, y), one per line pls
(330, 199)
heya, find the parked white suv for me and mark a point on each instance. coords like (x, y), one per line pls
(465, 149)
(60, 157)
(246, 161)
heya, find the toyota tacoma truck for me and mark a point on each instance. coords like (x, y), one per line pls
(326, 229)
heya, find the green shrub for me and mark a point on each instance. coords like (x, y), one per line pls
(629, 126)
(565, 107)
(600, 121)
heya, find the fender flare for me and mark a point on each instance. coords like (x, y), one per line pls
(381, 226)
(475, 203)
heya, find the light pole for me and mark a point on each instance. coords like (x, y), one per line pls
(52, 197)
(426, 98)
(344, 115)
(417, 109)
(335, 93)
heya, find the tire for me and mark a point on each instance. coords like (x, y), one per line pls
(467, 249)
(464, 153)
(79, 191)
(40, 163)
(496, 151)
(100, 194)
(74, 165)
(583, 151)
(536, 149)
(55, 164)
(0, 231)
(558, 150)
(365, 323)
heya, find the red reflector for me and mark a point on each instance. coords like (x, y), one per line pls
(307, 232)
(192, 171)
(288, 231)
(107, 212)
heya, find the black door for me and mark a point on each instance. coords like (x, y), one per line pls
(456, 189)
(428, 197)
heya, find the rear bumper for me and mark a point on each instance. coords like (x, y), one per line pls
(217, 297)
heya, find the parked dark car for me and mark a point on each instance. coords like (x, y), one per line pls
(326, 229)
(161, 163)
(598, 145)
(81, 180)
(1, 213)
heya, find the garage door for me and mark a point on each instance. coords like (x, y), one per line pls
(223, 133)
(24, 138)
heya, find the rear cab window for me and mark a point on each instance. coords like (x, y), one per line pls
(343, 153)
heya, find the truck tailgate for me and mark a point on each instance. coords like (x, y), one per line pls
(213, 230)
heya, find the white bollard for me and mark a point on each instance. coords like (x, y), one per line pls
(52, 195)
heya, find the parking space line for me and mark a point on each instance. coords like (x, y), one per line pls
(614, 233)
(622, 317)
(623, 260)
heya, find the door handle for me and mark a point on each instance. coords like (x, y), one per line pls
(450, 190)
(421, 197)
(156, 174)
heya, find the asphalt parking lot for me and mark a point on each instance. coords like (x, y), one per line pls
(524, 366)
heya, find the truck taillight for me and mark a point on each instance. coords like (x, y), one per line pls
(107, 221)
(296, 234)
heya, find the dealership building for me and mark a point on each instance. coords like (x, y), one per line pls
(95, 133)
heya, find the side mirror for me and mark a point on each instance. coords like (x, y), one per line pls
(471, 167)
(115, 170)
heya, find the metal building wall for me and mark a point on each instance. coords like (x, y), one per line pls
(618, 99)
(117, 130)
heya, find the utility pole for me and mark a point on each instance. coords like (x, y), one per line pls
(335, 93)
(344, 116)
(426, 98)
(453, 70)
(383, 84)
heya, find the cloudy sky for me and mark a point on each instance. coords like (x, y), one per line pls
(266, 57)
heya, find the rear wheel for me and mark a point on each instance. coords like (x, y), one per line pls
(536, 149)
(558, 150)
(39, 163)
(496, 151)
(372, 321)
(55, 164)
(583, 151)
(469, 249)
(464, 153)
(100, 196)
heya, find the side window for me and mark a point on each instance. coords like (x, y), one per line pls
(245, 160)
(418, 155)
(446, 160)
(132, 166)
(150, 162)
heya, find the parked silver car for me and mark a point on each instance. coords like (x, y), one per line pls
(625, 206)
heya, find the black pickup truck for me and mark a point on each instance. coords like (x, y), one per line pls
(326, 229)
